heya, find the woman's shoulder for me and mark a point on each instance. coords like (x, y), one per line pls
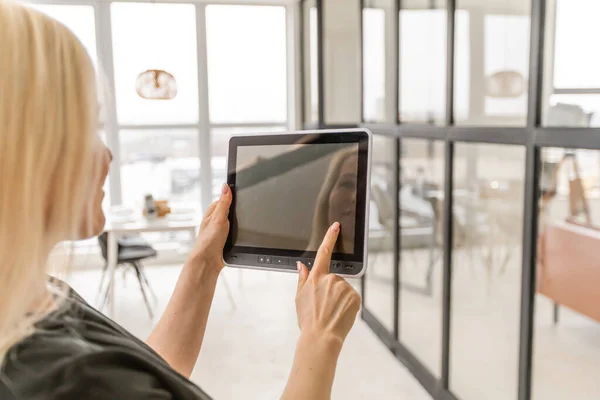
(55, 344)
(55, 369)
(78, 353)
(62, 360)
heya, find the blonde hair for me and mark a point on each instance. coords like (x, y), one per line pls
(321, 217)
(48, 116)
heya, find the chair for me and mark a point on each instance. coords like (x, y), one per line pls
(131, 250)
(417, 229)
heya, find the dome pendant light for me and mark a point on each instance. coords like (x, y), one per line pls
(506, 84)
(155, 84)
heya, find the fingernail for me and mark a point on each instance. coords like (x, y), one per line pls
(225, 188)
(335, 227)
(299, 266)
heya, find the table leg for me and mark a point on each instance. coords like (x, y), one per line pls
(112, 269)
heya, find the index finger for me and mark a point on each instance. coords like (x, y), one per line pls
(326, 249)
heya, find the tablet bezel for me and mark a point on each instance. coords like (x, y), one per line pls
(352, 265)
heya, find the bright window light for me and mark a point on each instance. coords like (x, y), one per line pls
(576, 59)
(246, 48)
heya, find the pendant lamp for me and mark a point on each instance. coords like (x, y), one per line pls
(155, 84)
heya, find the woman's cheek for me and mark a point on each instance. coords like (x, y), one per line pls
(334, 204)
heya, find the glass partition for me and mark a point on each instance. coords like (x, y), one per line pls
(421, 253)
(567, 316)
(492, 62)
(486, 270)
(379, 279)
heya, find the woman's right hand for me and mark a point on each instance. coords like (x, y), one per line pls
(327, 306)
(325, 303)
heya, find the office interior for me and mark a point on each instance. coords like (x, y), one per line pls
(485, 186)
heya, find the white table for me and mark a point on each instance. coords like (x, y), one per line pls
(116, 228)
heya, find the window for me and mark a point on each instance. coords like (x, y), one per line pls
(423, 65)
(492, 63)
(164, 163)
(378, 34)
(572, 81)
(576, 64)
(158, 142)
(220, 145)
(246, 65)
(163, 37)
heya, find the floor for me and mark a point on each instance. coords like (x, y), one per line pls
(486, 298)
(485, 330)
(249, 345)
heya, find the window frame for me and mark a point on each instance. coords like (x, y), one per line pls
(105, 57)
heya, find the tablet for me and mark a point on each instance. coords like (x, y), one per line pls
(288, 188)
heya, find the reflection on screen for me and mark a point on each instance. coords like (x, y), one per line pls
(288, 195)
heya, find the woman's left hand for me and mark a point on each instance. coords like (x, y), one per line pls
(214, 229)
(179, 334)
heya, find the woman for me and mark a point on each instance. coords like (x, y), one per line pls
(53, 166)
(337, 201)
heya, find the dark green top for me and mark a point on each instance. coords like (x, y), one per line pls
(78, 353)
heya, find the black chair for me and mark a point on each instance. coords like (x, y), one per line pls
(131, 250)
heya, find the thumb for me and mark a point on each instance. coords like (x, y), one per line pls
(221, 210)
(302, 275)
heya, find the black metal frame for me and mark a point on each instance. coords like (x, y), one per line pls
(320, 62)
(448, 206)
(532, 137)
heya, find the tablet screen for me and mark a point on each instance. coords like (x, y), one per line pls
(287, 195)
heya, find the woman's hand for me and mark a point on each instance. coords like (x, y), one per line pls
(325, 303)
(327, 306)
(214, 229)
